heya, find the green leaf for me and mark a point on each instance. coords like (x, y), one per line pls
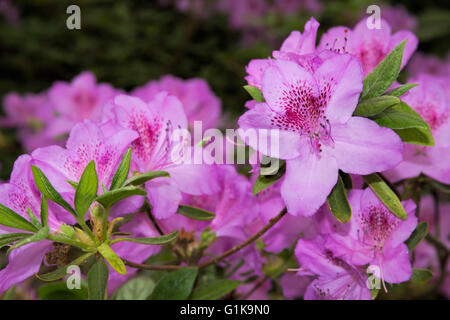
(420, 136)
(195, 213)
(112, 258)
(255, 93)
(110, 198)
(144, 177)
(33, 219)
(401, 90)
(386, 195)
(73, 184)
(60, 291)
(264, 181)
(338, 202)
(374, 106)
(46, 188)
(176, 285)
(421, 275)
(346, 179)
(215, 289)
(12, 219)
(38, 236)
(418, 234)
(7, 238)
(97, 279)
(44, 211)
(400, 116)
(62, 272)
(151, 241)
(122, 171)
(384, 74)
(138, 288)
(86, 190)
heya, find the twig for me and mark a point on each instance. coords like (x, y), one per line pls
(257, 235)
(235, 249)
(255, 287)
(150, 266)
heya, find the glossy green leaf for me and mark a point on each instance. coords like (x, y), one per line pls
(338, 202)
(418, 234)
(113, 259)
(195, 213)
(400, 116)
(12, 219)
(122, 171)
(138, 288)
(384, 74)
(150, 241)
(86, 190)
(420, 136)
(7, 238)
(38, 236)
(62, 272)
(35, 221)
(44, 211)
(46, 188)
(386, 195)
(421, 275)
(176, 285)
(60, 291)
(144, 177)
(110, 198)
(401, 90)
(215, 289)
(97, 279)
(255, 93)
(373, 106)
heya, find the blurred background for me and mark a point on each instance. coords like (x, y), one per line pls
(128, 43)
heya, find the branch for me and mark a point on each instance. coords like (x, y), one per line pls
(257, 235)
(151, 267)
(235, 249)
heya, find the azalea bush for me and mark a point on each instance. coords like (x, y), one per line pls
(334, 185)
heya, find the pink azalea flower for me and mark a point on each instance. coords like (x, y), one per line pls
(376, 236)
(198, 100)
(80, 99)
(31, 114)
(335, 279)
(17, 195)
(370, 46)
(422, 63)
(294, 286)
(429, 99)
(154, 123)
(399, 18)
(312, 111)
(87, 142)
(426, 255)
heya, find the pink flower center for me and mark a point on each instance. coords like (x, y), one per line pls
(305, 113)
(377, 225)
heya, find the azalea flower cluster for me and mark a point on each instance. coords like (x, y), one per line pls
(329, 224)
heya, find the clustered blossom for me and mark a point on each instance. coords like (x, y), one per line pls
(310, 93)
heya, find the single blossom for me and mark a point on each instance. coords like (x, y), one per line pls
(376, 236)
(87, 141)
(430, 100)
(157, 147)
(334, 278)
(31, 114)
(83, 98)
(370, 46)
(312, 112)
(18, 195)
